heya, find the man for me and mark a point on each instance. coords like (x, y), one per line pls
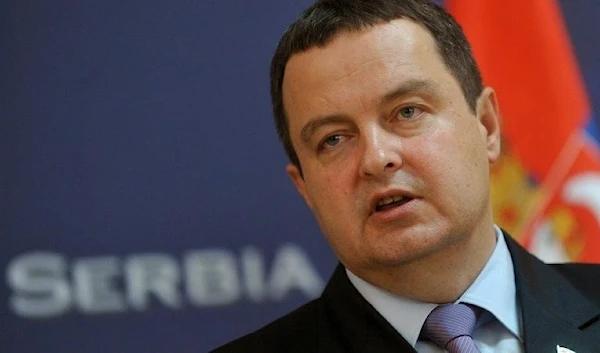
(390, 134)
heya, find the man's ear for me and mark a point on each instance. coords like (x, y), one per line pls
(298, 180)
(489, 119)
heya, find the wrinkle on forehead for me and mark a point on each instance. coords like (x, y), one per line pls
(405, 34)
(358, 68)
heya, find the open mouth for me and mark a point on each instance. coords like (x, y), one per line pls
(391, 202)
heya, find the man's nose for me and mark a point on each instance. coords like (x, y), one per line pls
(381, 152)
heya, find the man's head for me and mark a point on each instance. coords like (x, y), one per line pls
(394, 147)
(326, 19)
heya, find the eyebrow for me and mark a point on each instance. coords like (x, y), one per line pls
(309, 129)
(409, 87)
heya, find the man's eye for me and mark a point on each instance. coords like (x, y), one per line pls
(408, 112)
(332, 141)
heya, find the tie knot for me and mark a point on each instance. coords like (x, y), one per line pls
(450, 325)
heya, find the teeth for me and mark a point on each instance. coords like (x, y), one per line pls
(389, 200)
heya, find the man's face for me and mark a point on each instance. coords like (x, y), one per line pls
(395, 166)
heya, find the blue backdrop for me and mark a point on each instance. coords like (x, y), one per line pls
(143, 200)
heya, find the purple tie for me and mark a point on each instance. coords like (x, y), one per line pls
(451, 326)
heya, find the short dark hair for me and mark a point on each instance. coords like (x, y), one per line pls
(322, 21)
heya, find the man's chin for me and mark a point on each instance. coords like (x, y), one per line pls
(407, 251)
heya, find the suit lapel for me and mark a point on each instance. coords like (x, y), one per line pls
(553, 311)
(349, 318)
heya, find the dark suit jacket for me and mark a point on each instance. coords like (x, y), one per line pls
(559, 306)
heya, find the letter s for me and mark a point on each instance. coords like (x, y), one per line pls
(39, 285)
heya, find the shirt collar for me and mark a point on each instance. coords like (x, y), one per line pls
(496, 280)
(406, 316)
(494, 288)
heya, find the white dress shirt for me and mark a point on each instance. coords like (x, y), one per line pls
(497, 330)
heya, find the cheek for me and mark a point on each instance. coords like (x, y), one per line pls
(436, 153)
(449, 160)
(333, 199)
(326, 188)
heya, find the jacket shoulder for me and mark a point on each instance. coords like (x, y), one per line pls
(584, 277)
(294, 332)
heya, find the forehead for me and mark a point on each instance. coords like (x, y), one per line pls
(396, 44)
(370, 61)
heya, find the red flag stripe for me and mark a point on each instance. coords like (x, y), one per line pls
(525, 54)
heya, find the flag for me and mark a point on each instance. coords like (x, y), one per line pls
(546, 185)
